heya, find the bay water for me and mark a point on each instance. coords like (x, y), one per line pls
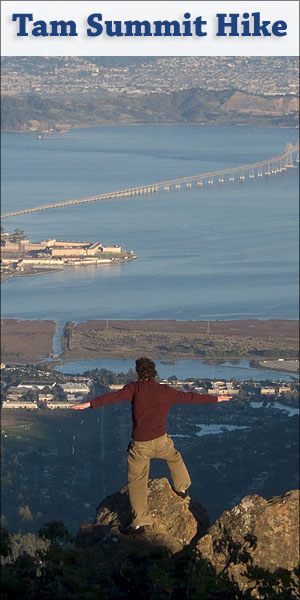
(226, 251)
(241, 370)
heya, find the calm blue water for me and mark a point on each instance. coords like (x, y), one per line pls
(240, 370)
(224, 252)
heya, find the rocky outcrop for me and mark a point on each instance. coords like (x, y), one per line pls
(251, 551)
(176, 522)
(257, 534)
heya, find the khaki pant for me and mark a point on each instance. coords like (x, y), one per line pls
(139, 457)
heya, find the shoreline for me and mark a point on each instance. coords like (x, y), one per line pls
(41, 272)
(114, 261)
(167, 124)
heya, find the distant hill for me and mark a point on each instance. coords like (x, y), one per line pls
(60, 92)
(227, 107)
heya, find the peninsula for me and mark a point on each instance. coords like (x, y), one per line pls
(20, 257)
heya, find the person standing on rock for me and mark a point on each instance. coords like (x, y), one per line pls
(150, 402)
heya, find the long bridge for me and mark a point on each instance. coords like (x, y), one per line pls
(263, 168)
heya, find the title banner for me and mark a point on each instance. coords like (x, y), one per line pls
(150, 28)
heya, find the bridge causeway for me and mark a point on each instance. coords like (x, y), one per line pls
(263, 168)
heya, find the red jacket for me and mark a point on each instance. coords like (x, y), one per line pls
(150, 404)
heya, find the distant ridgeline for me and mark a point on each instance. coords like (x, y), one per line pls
(36, 112)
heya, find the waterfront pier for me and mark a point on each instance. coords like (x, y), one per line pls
(241, 173)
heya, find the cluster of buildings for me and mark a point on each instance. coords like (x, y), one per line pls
(21, 254)
(68, 75)
(48, 393)
(232, 388)
(54, 247)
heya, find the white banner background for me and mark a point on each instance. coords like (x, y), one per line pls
(82, 45)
